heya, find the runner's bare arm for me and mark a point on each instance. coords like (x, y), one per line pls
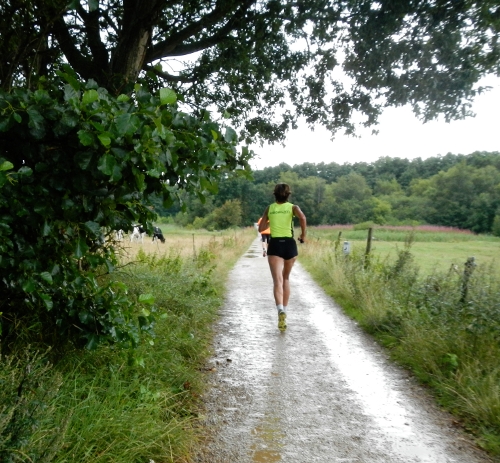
(302, 220)
(264, 223)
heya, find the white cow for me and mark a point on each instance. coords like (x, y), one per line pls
(137, 234)
(118, 235)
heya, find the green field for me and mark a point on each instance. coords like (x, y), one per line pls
(432, 250)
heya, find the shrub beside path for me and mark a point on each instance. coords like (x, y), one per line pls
(322, 391)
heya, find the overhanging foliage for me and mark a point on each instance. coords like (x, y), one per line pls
(77, 163)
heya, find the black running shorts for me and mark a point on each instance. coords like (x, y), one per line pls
(265, 237)
(285, 248)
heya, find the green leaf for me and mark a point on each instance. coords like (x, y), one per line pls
(28, 286)
(90, 96)
(105, 138)
(25, 171)
(6, 165)
(17, 117)
(230, 136)
(80, 248)
(86, 138)
(167, 96)
(123, 123)
(70, 93)
(93, 342)
(47, 300)
(146, 299)
(106, 164)
(93, 5)
(215, 135)
(83, 159)
(123, 98)
(46, 229)
(46, 276)
(93, 227)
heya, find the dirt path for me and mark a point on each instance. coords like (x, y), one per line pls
(320, 392)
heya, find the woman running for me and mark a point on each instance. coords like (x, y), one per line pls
(282, 250)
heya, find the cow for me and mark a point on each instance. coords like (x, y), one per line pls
(158, 235)
(137, 234)
(119, 235)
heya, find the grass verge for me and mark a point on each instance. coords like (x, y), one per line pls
(113, 405)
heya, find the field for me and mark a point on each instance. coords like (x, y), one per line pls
(435, 249)
(179, 241)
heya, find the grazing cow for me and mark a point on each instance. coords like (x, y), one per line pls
(138, 233)
(158, 235)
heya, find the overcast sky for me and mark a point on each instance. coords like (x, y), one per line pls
(400, 135)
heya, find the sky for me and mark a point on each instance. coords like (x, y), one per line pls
(401, 135)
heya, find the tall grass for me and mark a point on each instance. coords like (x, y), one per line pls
(114, 405)
(447, 333)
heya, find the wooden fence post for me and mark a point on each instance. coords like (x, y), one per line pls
(368, 247)
(470, 265)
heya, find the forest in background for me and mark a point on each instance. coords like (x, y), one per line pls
(461, 191)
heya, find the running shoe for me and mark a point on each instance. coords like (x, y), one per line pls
(282, 321)
(264, 254)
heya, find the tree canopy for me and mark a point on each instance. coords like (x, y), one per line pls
(265, 63)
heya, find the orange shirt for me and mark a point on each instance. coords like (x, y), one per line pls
(267, 231)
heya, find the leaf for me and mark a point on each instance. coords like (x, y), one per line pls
(106, 164)
(123, 98)
(230, 136)
(28, 286)
(167, 96)
(123, 123)
(80, 248)
(71, 91)
(46, 276)
(46, 229)
(93, 5)
(146, 299)
(83, 159)
(93, 342)
(6, 165)
(25, 171)
(93, 227)
(105, 138)
(47, 300)
(215, 135)
(17, 117)
(86, 138)
(90, 96)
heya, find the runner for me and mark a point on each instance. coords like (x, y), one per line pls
(265, 236)
(282, 250)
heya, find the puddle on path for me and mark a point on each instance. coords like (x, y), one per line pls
(268, 441)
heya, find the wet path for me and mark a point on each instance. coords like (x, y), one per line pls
(320, 392)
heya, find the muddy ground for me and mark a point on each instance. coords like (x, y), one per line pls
(322, 391)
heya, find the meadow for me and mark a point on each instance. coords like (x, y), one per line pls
(125, 405)
(440, 322)
(434, 249)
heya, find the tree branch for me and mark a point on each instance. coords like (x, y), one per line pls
(169, 77)
(167, 47)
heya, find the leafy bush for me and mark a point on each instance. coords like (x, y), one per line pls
(77, 163)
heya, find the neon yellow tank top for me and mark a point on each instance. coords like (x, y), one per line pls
(280, 220)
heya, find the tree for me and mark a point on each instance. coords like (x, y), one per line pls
(268, 63)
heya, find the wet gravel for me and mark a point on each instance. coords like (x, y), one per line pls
(322, 391)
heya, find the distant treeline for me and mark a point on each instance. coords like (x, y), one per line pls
(460, 191)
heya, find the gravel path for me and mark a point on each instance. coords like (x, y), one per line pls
(322, 391)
